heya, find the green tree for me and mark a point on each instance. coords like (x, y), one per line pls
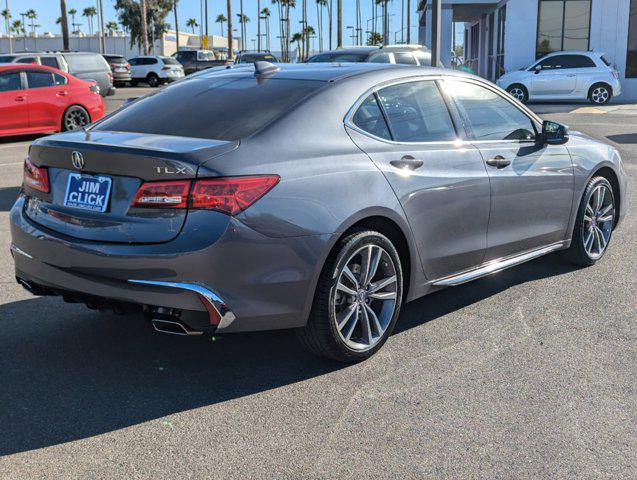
(111, 26)
(192, 23)
(89, 13)
(265, 14)
(32, 15)
(374, 38)
(298, 38)
(130, 17)
(221, 19)
(73, 12)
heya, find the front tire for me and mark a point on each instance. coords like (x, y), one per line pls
(357, 300)
(519, 92)
(600, 94)
(594, 223)
(152, 80)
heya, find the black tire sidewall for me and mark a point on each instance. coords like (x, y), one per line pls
(152, 80)
(69, 110)
(578, 253)
(352, 244)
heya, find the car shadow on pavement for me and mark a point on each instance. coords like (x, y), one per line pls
(67, 373)
(624, 138)
(8, 196)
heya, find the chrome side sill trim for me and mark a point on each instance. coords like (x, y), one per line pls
(213, 300)
(496, 266)
(19, 251)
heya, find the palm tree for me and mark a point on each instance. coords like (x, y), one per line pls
(408, 21)
(308, 33)
(286, 6)
(221, 19)
(339, 23)
(320, 5)
(6, 14)
(230, 41)
(258, 25)
(111, 27)
(265, 14)
(281, 37)
(73, 12)
(243, 19)
(144, 25)
(192, 23)
(175, 2)
(32, 15)
(18, 28)
(65, 25)
(89, 13)
(298, 38)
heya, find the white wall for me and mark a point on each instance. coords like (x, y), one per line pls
(446, 33)
(520, 34)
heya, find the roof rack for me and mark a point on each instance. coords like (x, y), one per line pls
(403, 45)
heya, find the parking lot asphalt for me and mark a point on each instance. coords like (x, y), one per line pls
(529, 373)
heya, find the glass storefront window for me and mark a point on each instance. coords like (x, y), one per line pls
(563, 25)
(631, 56)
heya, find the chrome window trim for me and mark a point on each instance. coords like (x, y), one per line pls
(438, 77)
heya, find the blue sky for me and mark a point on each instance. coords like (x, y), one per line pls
(48, 11)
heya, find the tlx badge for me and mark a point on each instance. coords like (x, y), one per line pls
(171, 171)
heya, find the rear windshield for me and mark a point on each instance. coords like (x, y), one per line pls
(114, 58)
(605, 61)
(7, 58)
(212, 108)
(339, 57)
(255, 57)
(170, 61)
(86, 63)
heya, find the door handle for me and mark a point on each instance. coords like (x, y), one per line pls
(20, 99)
(498, 161)
(407, 163)
(62, 93)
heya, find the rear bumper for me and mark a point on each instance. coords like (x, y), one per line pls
(264, 283)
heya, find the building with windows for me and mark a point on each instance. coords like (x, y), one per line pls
(511, 34)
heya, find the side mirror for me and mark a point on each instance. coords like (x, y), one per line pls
(553, 133)
(538, 69)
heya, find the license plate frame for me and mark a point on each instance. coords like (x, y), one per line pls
(83, 200)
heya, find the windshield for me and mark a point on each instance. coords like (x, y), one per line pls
(205, 56)
(339, 57)
(212, 108)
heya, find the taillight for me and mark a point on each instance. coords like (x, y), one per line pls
(162, 195)
(127, 65)
(36, 177)
(110, 77)
(231, 195)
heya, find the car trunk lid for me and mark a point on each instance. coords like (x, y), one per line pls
(128, 160)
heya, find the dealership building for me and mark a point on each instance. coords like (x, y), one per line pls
(510, 34)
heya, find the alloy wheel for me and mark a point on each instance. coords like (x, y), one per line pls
(598, 221)
(76, 118)
(517, 93)
(364, 300)
(600, 95)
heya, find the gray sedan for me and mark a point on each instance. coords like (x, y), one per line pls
(318, 197)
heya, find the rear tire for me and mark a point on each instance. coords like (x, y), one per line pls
(75, 118)
(354, 312)
(152, 80)
(594, 223)
(519, 92)
(600, 94)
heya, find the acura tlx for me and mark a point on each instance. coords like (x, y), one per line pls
(318, 197)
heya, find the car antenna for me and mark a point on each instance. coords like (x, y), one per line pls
(265, 69)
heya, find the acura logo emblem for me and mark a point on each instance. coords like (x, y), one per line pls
(78, 160)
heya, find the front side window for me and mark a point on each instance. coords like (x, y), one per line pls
(490, 116)
(10, 82)
(417, 112)
(369, 118)
(27, 60)
(39, 79)
(59, 79)
(563, 25)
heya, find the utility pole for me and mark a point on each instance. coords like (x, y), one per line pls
(258, 25)
(230, 52)
(339, 23)
(144, 26)
(9, 28)
(100, 14)
(408, 21)
(206, 20)
(436, 10)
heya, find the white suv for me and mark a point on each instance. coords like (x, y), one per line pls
(565, 76)
(155, 70)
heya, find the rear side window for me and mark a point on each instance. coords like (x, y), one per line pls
(10, 81)
(214, 108)
(369, 118)
(417, 112)
(39, 79)
(86, 63)
(405, 58)
(490, 116)
(170, 61)
(605, 60)
(28, 60)
(7, 58)
(49, 62)
(578, 61)
(380, 58)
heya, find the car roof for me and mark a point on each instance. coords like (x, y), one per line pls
(326, 72)
(6, 66)
(574, 52)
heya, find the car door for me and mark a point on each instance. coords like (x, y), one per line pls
(554, 79)
(531, 184)
(14, 112)
(47, 100)
(441, 182)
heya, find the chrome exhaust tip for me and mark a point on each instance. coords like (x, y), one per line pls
(173, 327)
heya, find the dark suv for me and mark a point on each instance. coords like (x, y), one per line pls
(400, 54)
(120, 69)
(85, 65)
(197, 60)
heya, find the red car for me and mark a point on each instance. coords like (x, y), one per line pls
(39, 99)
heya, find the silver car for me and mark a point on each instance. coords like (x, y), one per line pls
(319, 197)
